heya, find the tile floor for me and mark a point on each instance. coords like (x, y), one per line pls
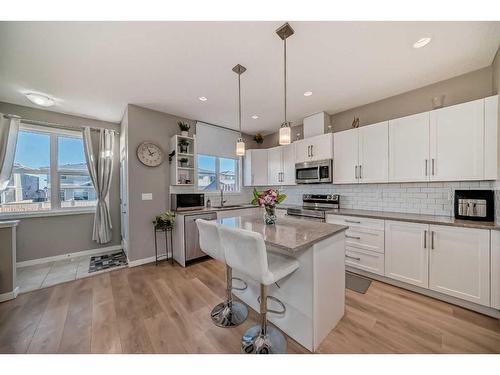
(47, 274)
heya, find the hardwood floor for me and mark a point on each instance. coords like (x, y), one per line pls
(165, 309)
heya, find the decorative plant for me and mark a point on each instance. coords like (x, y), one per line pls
(184, 143)
(259, 138)
(183, 161)
(166, 219)
(267, 198)
(184, 127)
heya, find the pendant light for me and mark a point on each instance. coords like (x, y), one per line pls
(240, 145)
(285, 134)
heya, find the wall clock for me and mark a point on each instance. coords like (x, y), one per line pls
(150, 154)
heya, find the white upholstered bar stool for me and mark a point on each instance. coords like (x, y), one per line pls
(228, 313)
(246, 252)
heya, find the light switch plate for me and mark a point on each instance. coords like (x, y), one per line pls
(147, 196)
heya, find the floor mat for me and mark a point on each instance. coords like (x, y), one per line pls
(106, 261)
(357, 283)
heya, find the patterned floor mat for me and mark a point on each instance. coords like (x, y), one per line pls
(106, 261)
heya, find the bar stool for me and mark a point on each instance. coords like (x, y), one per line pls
(246, 252)
(228, 313)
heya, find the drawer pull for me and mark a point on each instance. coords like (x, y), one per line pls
(352, 221)
(350, 257)
(352, 237)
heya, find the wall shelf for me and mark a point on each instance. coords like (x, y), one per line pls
(179, 175)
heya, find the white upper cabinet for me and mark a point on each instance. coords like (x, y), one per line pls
(409, 148)
(288, 164)
(457, 142)
(361, 155)
(345, 159)
(491, 139)
(274, 166)
(255, 168)
(281, 165)
(406, 252)
(373, 153)
(314, 148)
(459, 263)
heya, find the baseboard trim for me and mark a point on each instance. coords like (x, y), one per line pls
(100, 250)
(140, 262)
(9, 295)
(485, 310)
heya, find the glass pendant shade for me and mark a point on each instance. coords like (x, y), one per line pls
(240, 147)
(285, 136)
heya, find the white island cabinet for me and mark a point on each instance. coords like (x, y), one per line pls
(314, 294)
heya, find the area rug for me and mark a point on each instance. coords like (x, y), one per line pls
(106, 261)
(357, 283)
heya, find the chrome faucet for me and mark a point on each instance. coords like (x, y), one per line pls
(222, 201)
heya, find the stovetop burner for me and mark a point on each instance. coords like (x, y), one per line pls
(315, 205)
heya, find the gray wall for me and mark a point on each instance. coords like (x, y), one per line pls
(42, 237)
(147, 125)
(474, 85)
(6, 271)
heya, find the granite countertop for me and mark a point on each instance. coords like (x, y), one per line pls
(416, 218)
(214, 209)
(287, 234)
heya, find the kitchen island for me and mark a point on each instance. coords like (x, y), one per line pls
(314, 295)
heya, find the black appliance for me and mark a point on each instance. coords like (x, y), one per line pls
(187, 202)
(475, 205)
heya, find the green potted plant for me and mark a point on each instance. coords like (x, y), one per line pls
(184, 127)
(259, 138)
(183, 162)
(165, 220)
(183, 146)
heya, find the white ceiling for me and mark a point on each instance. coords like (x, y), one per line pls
(95, 69)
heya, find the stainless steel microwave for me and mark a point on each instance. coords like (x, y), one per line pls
(314, 172)
(185, 202)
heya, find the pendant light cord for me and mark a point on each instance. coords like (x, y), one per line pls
(239, 101)
(284, 73)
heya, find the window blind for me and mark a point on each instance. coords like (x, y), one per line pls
(216, 141)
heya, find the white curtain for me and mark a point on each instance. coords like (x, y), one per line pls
(100, 170)
(9, 128)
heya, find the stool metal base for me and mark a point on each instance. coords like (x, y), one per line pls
(224, 315)
(253, 342)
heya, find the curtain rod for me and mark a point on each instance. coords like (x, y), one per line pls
(54, 125)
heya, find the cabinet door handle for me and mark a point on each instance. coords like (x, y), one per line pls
(350, 257)
(352, 237)
(360, 174)
(308, 151)
(432, 240)
(356, 172)
(425, 239)
(433, 166)
(426, 167)
(312, 152)
(352, 221)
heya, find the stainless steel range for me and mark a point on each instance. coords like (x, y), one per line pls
(314, 206)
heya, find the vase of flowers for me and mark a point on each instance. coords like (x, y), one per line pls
(268, 199)
(165, 220)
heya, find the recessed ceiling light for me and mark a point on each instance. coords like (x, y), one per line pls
(255, 117)
(308, 93)
(39, 99)
(203, 99)
(422, 42)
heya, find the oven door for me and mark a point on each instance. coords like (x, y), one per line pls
(313, 172)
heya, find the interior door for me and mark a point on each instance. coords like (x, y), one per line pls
(409, 148)
(345, 157)
(374, 153)
(457, 141)
(459, 263)
(406, 252)
(288, 164)
(274, 166)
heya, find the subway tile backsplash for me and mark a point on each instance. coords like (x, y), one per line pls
(435, 198)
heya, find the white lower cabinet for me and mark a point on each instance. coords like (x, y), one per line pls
(406, 252)
(459, 263)
(495, 269)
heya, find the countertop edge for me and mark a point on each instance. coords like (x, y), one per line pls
(341, 228)
(424, 220)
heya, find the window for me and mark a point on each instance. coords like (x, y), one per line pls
(216, 173)
(50, 172)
